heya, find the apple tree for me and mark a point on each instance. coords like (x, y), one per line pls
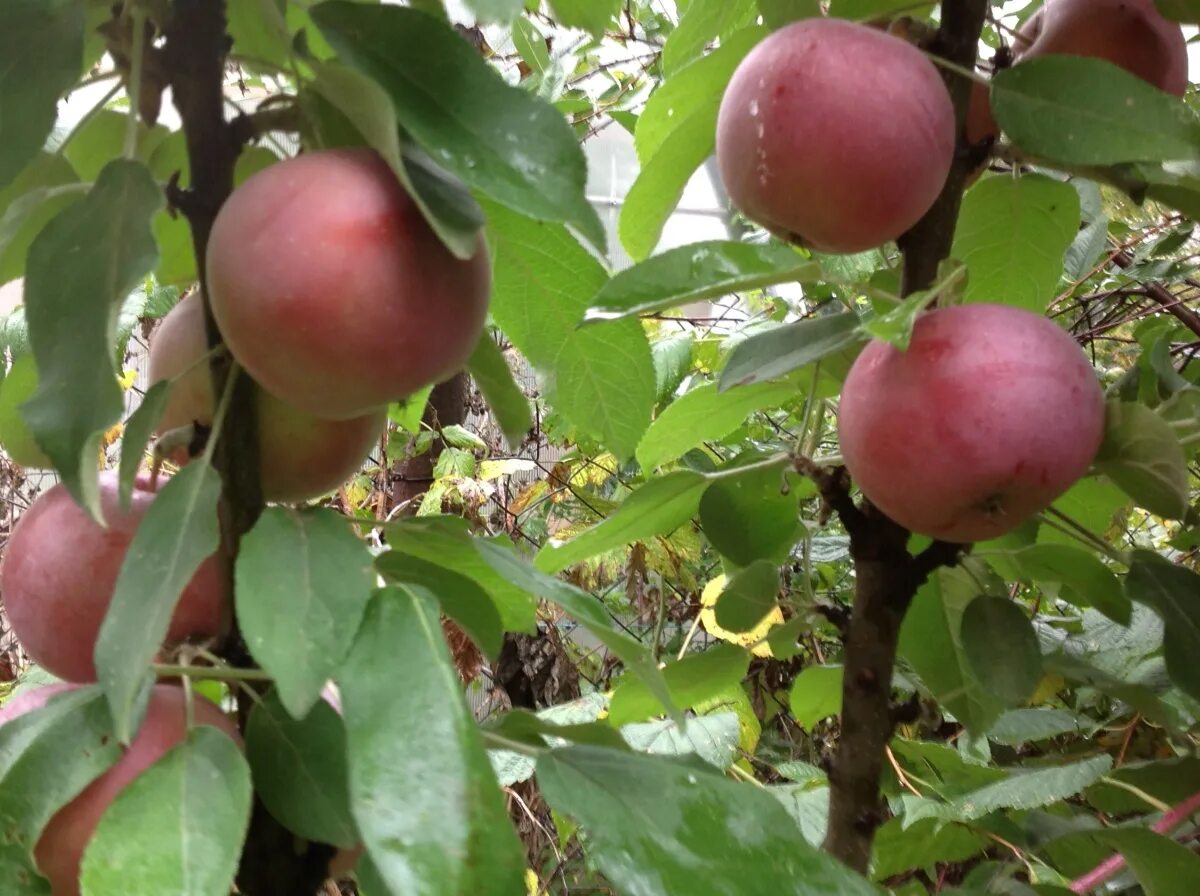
(465, 536)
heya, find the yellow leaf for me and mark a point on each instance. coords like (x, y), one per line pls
(127, 379)
(708, 617)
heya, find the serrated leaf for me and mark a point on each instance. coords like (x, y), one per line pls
(931, 642)
(778, 351)
(299, 769)
(590, 15)
(1022, 726)
(752, 514)
(748, 597)
(712, 738)
(692, 680)
(899, 847)
(1002, 647)
(451, 834)
(683, 810)
(701, 23)
(497, 138)
(543, 279)
(1012, 234)
(41, 43)
(816, 694)
(696, 272)
(659, 507)
(178, 532)
(507, 402)
(1139, 697)
(81, 266)
(1142, 454)
(302, 582)
(1173, 592)
(176, 828)
(460, 598)
(706, 413)
(1082, 111)
(139, 429)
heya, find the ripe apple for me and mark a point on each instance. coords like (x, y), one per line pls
(60, 568)
(333, 292)
(60, 848)
(989, 416)
(303, 456)
(835, 135)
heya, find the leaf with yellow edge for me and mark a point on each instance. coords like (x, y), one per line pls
(756, 635)
(533, 885)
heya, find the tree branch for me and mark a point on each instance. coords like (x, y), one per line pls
(1170, 303)
(886, 575)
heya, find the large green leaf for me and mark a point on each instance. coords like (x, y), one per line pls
(45, 187)
(698, 271)
(178, 532)
(752, 514)
(659, 507)
(41, 43)
(1012, 234)
(1173, 592)
(1162, 866)
(1002, 647)
(816, 694)
(299, 769)
(303, 579)
(497, 138)
(683, 812)
(543, 279)
(71, 311)
(1187, 11)
(47, 757)
(1142, 454)
(590, 15)
(1085, 580)
(1082, 111)
(706, 413)
(431, 814)
(931, 641)
(748, 596)
(702, 22)
(777, 13)
(778, 351)
(692, 680)
(178, 827)
(712, 738)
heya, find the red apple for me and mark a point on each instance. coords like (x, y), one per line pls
(331, 289)
(835, 135)
(303, 456)
(60, 568)
(989, 416)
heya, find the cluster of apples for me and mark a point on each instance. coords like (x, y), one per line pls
(840, 137)
(333, 293)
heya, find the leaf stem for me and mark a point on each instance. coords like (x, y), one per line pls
(138, 17)
(209, 673)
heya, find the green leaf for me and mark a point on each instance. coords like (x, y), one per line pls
(1187, 11)
(1142, 454)
(1173, 592)
(543, 279)
(590, 15)
(1012, 235)
(178, 532)
(260, 31)
(703, 21)
(303, 580)
(498, 11)
(1022, 726)
(750, 515)
(431, 815)
(490, 370)
(777, 13)
(1162, 866)
(1141, 698)
(778, 351)
(749, 595)
(696, 272)
(101, 138)
(41, 43)
(45, 187)
(672, 360)
(706, 413)
(71, 310)
(900, 847)
(139, 429)
(460, 598)
(15, 438)
(816, 695)
(1002, 647)
(369, 110)
(1081, 111)
(682, 811)
(694, 679)
(47, 757)
(1021, 790)
(499, 139)
(445, 541)
(176, 828)
(870, 9)
(712, 738)
(659, 507)
(531, 45)
(299, 769)
(1086, 581)
(931, 642)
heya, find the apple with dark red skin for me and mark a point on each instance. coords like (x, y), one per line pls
(333, 292)
(60, 568)
(835, 135)
(303, 456)
(60, 848)
(989, 416)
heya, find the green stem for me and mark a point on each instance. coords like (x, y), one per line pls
(210, 673)
(138, 16)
